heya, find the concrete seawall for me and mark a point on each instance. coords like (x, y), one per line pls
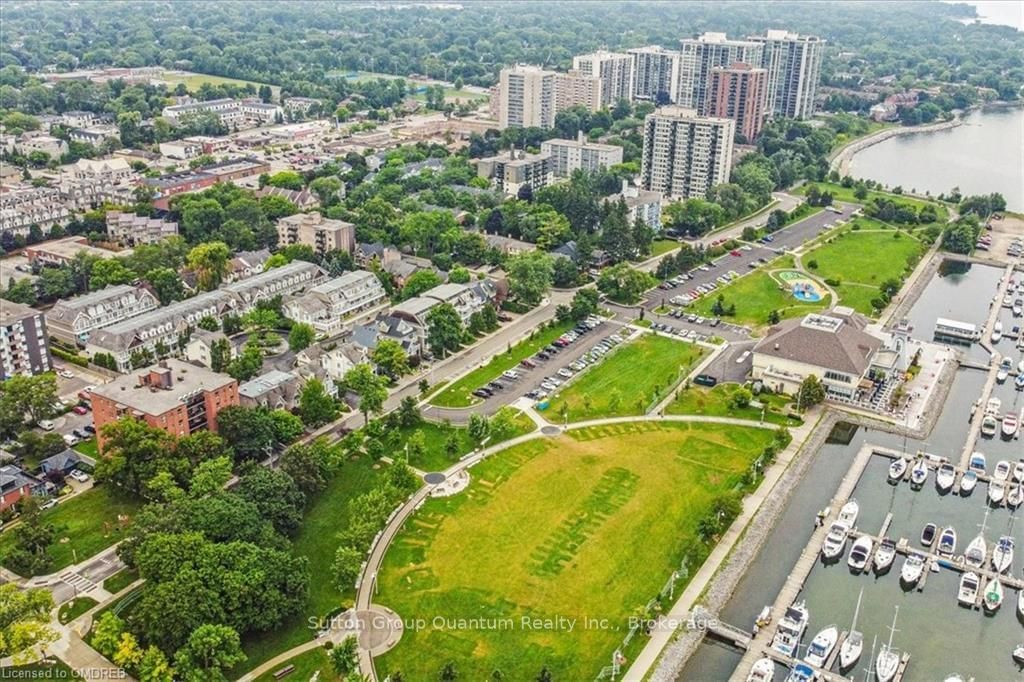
(841, 161)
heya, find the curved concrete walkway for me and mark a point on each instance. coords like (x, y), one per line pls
(367, 585)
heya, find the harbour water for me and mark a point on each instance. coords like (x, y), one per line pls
(941, 637)
(981, 156)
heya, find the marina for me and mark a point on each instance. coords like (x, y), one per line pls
(944, 484)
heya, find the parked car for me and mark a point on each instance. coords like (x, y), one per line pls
(49, 504)
(482, 393)
(705, 380)
(81, 433)
(548, 386)
(528, 363)
(70, 439)
(90, 429)
(79, 476)
(80, 409)
(565, 372)
(66, 374)
(510, 374)
(46, 425)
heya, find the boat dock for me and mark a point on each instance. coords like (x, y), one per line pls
(759, 644)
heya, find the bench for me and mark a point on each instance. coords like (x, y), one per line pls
(287, 670)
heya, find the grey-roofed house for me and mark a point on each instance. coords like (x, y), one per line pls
(274, 389)
(415, 310)
(200, 346)
(390, 327)
(64, 462)
(329, 305)
(72, 320)
(465, 298)
(131, 229)
(248, 263)
(16, 484)
(833, 346)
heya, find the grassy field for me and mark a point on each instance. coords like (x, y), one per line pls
(120, 580)
(717, 402)
(88, 447)
(754, 296)
(661, 246)
(306, 666)
(75, 608)
(316, 541)
(89, 522)
(628, 381)
(193, 81)
(588, 525)
(435, 456)
(845, 194)
(459, 394)
(862, 259)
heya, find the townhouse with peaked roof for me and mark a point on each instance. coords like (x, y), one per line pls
(327, 307)
(72, 320)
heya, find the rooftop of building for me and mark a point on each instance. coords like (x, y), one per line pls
(836, 340)
(107, 293)
(161, 387)
(11, 312)
(264, 383)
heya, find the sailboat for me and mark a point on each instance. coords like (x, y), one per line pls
(1002, 554)
(975, 554)
(888, 661)
(919, 474)
(967, 593)
(897, 469)
(821, 646)
(993, 595)
(853, 645)
(945, 477)
(763, 670)
(996, 492)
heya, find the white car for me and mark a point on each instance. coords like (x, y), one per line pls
(510, 374)
(70, 439)
(553, 380)
(548, 386)
(66, 374)
(79, 476)
(46, 425)
(565, 372)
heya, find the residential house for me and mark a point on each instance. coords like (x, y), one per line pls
(247, 263)
(274, 389)
(200, 347)
(72, 320)
(303, 199)
(131, 230)
(15, 485)
(95, 136)
(63, 463)
(328, 306)
(388, 326)
(335, 361)
(642, 204)
(323, 234)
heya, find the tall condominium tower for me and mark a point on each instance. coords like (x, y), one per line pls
(527, 97)
(655, 74)
(737, 92)
(614, 70)
(685, 155)
(698, 56)
(793, 63)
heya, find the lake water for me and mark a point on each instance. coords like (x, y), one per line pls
(984, 155)
(941, 637)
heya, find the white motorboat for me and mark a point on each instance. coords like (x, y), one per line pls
(996, 492)
(955, 677)
(993, 406)
(1018, 652)
(975, 554)
(947, 540)
(884, 555)
(1020, 603)
(821, 646)
(897, 469)
(978, 462)
(1018, 470)
(858, 558)
(763, 670)
(994, 594)
(1002, 470)
(989, 425)
(997, 331)
(1018, 383)
(1008, 300)
(791, 629)
(1004, 370)
(928, 534)
(919, 474)
(853, 645)
(848, 514)
(801, 672)
(913, 567)
(835, 542)
(967, 482)
(1002, 554)
(945, 477)
(1014, 495)
(1020, 366)
(1010, 424)
(888, 661)
(967, 593)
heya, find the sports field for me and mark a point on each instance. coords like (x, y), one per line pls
(628, 382)
(550, 533)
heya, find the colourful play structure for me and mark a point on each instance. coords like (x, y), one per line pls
(801, 286)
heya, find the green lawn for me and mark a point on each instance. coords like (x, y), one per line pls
(193, 81)
(862, 259)
(316, 541)
(120, 580)
(89, 522)
(717, 402)
(629, 380)
(845, 194)
(75, 608)
(435, 456)
(88, 447)
(584, 526)
(755, 295)
(661, 246)
(459, 394)
(306, 665)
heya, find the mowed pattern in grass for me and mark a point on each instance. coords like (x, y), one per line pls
(628, 381)
(585, 525)
(862, 259)
(717, 402)
(89, 522)
(755, 296)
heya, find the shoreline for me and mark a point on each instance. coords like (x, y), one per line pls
(841, 161)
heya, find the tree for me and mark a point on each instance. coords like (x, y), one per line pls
(530, 276)
(154, 666)
(166, 284)
(211, 650)
(345, 656)
(209, 260)
(31, 395)
(811, 392)
(106, 634)
(458, 275)
(220, 355)
(418, 282)
(444, 329)
(371, 389)
(24, 621)
(502, 424)
(584, 304)
(309, 465)
(316, 406)
(249, 431)
(275, 495)
(479, 427)
(246, 364)
(129, 653)
(390, 358)
(134, 452)
(300, 337)
(347, 564)
(211, 476)
(408, 413)
(448, 672)
(623, 283)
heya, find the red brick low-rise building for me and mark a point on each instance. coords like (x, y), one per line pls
(172, 395)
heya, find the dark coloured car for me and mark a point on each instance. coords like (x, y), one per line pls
(705, 380)
(482, 393)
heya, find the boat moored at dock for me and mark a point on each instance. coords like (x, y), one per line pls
(967, 593)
